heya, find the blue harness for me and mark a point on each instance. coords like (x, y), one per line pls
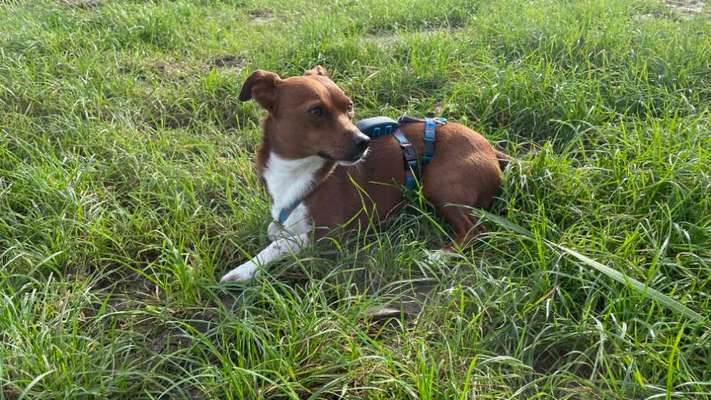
(383, 126)
(376, 127)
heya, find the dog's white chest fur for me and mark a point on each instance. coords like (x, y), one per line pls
(289, 181)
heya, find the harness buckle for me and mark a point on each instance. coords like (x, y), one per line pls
(410, 154)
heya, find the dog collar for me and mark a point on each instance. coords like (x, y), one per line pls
(285, 212)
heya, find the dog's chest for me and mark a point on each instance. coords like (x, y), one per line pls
(288, 181)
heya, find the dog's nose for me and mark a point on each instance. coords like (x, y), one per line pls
(361, 142)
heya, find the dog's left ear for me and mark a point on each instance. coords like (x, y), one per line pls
(318, 70)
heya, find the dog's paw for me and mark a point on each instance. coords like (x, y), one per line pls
(275, 231)
(243, 273)
(439, 256)
(435, 256)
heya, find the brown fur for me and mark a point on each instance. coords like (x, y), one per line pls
(465, 169)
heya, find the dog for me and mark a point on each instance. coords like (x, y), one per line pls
(317, 165)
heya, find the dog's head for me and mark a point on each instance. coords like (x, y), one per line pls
(308, 115)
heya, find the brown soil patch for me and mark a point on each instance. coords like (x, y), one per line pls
(228, 62)
(85, 4)
(260, 16)
(689, 7)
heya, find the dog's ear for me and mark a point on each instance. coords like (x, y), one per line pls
(262, 87)
(318, 70)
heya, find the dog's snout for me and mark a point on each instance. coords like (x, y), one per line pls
(357, 149)
(361, 142)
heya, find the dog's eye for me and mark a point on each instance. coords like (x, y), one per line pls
(316, 112)
(349, 110)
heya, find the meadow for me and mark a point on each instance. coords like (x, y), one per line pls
(127, 190)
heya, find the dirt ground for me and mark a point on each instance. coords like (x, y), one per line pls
(690, 6)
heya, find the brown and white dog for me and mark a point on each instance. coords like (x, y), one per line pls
(312, 151)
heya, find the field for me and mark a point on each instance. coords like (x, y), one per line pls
(127, 190)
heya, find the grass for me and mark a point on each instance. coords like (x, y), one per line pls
(126, 190)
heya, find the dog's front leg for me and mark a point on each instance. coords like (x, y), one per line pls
(275, 251)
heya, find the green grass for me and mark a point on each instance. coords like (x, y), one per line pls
(127, 190)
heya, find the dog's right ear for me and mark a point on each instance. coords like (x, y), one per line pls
(261, 86)
(318, 70)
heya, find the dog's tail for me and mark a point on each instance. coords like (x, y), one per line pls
(503, 158)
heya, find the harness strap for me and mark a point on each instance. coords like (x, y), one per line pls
(429, 139)
(382, 126)
(284, 213)
(410, 156)
(429, 136)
